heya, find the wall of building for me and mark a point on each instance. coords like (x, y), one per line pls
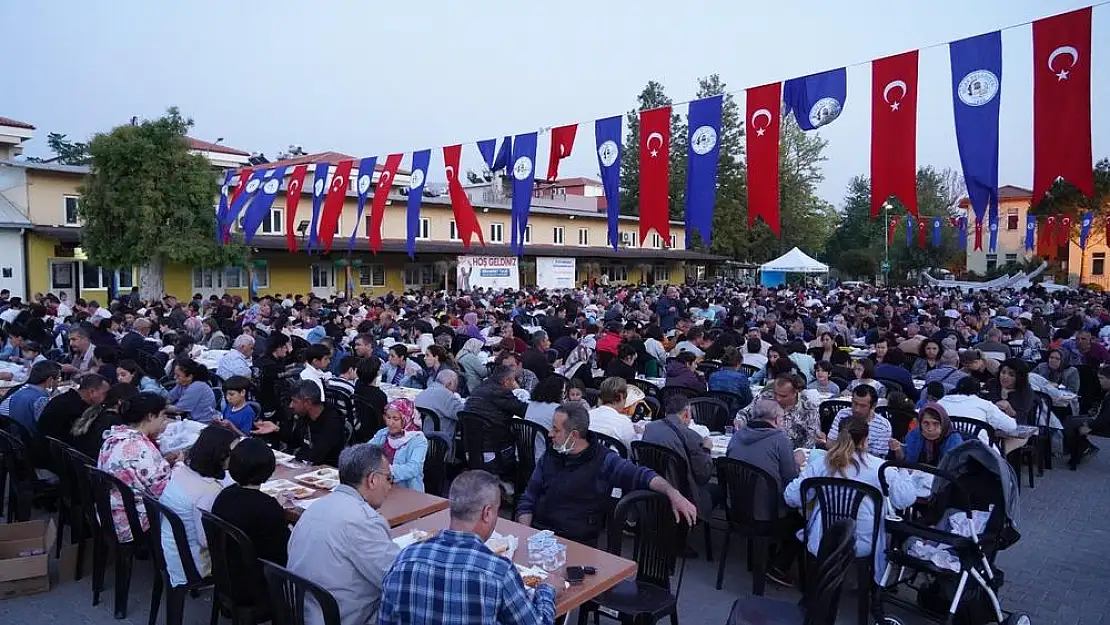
(46, 192)
(11, 261)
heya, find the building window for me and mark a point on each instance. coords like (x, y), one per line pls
(425, 229)
(371, 275)
(420, 275)
(497, 233)
(275, 224)
(674, 241)
(656, 241)
(660, 273)
(528, 233)
(1011, 219)
(583, 236)
(1098, 264)
(70, 204)
(617, 273)
(96, 277)
(454, 231)
(557, 235)
(992, 262)
(219, 279)
(1011, 259)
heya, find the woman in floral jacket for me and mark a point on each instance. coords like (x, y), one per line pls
(130, 454)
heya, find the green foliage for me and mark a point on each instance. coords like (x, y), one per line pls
(1063, 197)
(856, 263)
(66, 152)
(806, 219)
(149, 200)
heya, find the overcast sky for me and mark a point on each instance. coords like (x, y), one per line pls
(371, 78)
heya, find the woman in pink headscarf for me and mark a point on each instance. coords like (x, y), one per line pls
(404, 444)
(471, 328)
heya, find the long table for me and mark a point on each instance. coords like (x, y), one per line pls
(611, 569)
(401, 504)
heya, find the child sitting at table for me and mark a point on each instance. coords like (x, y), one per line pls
(237, 413)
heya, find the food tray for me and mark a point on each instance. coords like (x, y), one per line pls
(502, 545)
(325, 478)
(411, 538)
(278, 487)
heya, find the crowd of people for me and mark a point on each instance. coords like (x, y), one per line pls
(357, 384)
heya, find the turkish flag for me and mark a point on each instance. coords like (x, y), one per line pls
(562, 142)
(333, 203)
(921, 224)
(292, 197)
(764, 110)
(244, 176)
(1050, 237)
(894, 131)
(1108, 230)
(890, 229)
(655, 167)
(1062, 102)
(466, 222)
(381, 194)
(1063, 230)
(978, 234)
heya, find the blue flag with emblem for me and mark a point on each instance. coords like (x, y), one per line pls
(607, 136)
(817, 99)
(365, 182)
(936, 231)
(992, 223)
(701, 170)
(523, 171)
(259, 209)
(319, 189)
(963, 233)
(976, 95)
(221, 211)
(501, 160)
(910, 230)
(252, 187)
(1030, 231)
(420, 161)
(1085, 229)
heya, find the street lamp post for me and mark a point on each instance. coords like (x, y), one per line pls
(886, 243)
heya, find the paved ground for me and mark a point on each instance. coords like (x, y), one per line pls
(1056, 573)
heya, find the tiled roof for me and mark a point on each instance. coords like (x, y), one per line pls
(208, 146)
(14, 123)
(1005, 192)
(326, 157)
(570, 182)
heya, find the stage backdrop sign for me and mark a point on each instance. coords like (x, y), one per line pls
(488, 272)
(555, 273)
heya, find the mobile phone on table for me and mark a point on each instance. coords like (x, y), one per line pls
(575, 575)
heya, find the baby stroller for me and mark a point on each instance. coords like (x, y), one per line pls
(945, 549)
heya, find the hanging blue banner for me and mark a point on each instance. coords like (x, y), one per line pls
(976, 95)
(1030, 231)
(501, 160)
(963, 233)
(221, 211)
(365, 182)
(1085, 229)
(992, 221)
(910, 230)
(319, 188)
(937, 221)
(523, 170)
(420, 161)
(701, 172)
(252, 187)
(259, 209)
(817, 99)
(607, 134)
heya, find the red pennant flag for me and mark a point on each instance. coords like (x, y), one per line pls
(655, 167)
(1062, 102)
(954, 222)
(466, 222)
(1108, 230)
(244, 176)
(1050, 237)
(764, 115)
(562, 142)
(921, 223)
(381, 194)
(894, 131)
(292, 198)
(1063, 232)
(890, 228)
(333, 203)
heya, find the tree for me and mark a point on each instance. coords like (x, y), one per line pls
(653, 96)
(149, 202)
(1064, 197)
(806, 220)
(66, 152)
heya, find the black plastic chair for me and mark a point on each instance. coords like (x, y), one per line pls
(734, 401)
(103, 485)
(526, 434)
(649, 389)
(673, 468)
(157, 513)
(834, 558)
(667, 392)
(236, 572)
(68, 514)
(610, 442)
(658, 544)
(435, 466)
(744, 484)
(970, 428)
(840, 499)
(471, 426)
(749, 370)
(827, 412)
(369, 419)
(710, 412)
(85, 505)
(25, 488)
(429, 416)
(287, 596)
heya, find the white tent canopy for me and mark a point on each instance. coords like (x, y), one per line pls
(795, 261)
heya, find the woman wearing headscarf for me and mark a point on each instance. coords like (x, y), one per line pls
(931, 440)
(471, 363)
(1057, 369)
(404, 444)
(470, 327)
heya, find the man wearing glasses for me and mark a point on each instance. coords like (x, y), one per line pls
(342, 543)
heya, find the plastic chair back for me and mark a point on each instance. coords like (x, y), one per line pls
(610, 442)
(840, 499)
(234, 563)
(287, 597)
(660, 540)
(745, 485)
(157, 514)
(104, 484)
(827, 411)
(710, 412)
(435, 467)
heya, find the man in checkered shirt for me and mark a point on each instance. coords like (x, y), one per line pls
(454, 579)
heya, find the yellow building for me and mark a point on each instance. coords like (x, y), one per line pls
(1082, 266)
(54, 262)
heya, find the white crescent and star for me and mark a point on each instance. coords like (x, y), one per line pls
(894, 84)
(383, 180)
(294, 187)
(764, 113)
(1062, 51)
(450, 172)
(652, 136)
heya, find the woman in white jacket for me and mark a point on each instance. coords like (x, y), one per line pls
(848, 458)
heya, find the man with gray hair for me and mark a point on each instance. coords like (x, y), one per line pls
(81, 348)
(454, 577)
(442, 398)
(237, 361)
(534, 358)
(342, 543)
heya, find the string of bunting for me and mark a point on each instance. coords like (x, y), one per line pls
(1061, 141)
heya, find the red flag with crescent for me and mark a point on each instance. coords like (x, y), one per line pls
(562, 142)
(764, 109)
(292, 198)
(894, 131)
(1062, 102)
(465, 220)
(244, 176)
(333, 203)
(921, 227)
(1063, 229)
(978, 234)
(655, 167)
(1107, 230)
(381, 194)
(890, 228)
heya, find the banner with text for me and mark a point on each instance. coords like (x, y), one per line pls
(487, 272)
(555, 273)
